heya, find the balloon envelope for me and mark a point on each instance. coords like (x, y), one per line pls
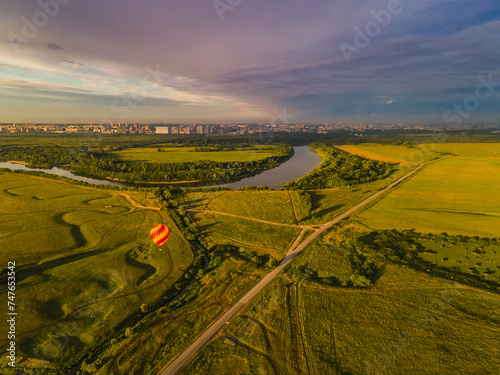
(159, 234)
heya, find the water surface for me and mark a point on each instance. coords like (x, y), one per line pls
(60, 172)
(302, 162)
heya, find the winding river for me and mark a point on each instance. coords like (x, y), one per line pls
(60, 172)
(302, 162)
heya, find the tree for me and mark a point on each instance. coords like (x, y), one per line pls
(272, 263)
(360, 281)
(256, 259)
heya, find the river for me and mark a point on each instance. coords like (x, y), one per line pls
(60, 172)
(302, 162)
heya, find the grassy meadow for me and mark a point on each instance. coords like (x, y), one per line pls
(257, 237)
(285, 207)
(406, 323)
(163, 333)
(187, 154)
(472, 150)
(272, 206)
(87, 269)
(458, 195)
(84, 263)
(403, 156)
(477, 257)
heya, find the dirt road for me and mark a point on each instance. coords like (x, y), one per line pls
(182, 358)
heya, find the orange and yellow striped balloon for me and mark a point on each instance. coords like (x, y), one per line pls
(159, 234)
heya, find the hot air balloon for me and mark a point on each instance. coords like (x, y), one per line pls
(159, 234)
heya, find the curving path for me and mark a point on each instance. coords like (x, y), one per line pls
(135, 204)
(250, 218)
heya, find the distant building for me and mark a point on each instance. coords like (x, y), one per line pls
(163, 130)
(73, 129)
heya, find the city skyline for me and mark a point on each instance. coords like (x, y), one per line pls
(224, 61)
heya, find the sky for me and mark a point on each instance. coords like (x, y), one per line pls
(237, 61)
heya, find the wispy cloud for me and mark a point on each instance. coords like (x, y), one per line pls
(264, 55)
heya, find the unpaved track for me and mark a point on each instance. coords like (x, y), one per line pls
(249, 218)
(183, 357)
(135, 204)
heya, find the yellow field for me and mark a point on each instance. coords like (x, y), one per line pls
(392, 154)
(478, 150)
(459, 195)
(408, 157)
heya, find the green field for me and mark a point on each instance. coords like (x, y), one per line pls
(419, 153)
(407, 323)
(478, 257)
(164, 332)
(284, 207)
(458, 195)
(84, 263)
(257, 237)
(90, 280)
(273, 206)
(474, 150)
(187, 154)
(403, 156)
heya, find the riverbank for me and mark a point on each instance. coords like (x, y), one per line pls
(302, 162)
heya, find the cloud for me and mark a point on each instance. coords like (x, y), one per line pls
(39, 86)
(54, 47)
(264, 54)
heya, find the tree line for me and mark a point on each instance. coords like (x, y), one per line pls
(339, 168)
(99, 164)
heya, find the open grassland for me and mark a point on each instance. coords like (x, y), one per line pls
(420, 153)
(326, 204)
(403, 156)
(273, 206)
(162, 334)
(187, 154)
(458, 195)
(473, 150)
(477, 257)
(84, 263)
(312, 320)
(285, 207)
(257, 237)
(406, 323)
